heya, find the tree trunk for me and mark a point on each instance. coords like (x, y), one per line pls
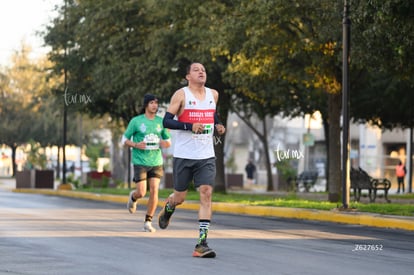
(334, 107)
(220, 171)
(263, 138)
(14, 166)
(58, 163)
(219, 151)
(326, 130)
(118, 168)
(267, 157)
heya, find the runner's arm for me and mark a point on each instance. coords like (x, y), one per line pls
(170, 123)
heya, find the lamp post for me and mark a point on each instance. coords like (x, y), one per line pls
(65, 111)
(409, 162)
(65, 122)
(346, 23)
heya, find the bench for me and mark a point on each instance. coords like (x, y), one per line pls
(307, 179)
(360, 180)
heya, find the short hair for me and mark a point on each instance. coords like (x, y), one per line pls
(189, 66)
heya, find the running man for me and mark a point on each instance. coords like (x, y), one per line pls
(194, 158)
(148, 137)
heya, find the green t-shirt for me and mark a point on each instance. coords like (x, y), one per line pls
(140, 128)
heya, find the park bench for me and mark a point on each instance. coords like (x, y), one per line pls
(360, 180)
(307, 179)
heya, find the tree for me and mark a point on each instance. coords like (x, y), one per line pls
(382, 52)
(13, 121)
(28, 110)
(383, 36)
(129, 49)
(265, 57)
(383, 100)
(284, 60)
(185, 32)
(166, 43)
(22, 85)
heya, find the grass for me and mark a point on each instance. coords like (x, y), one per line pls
(288, 200)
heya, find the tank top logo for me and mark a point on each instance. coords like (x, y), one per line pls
(187, 144)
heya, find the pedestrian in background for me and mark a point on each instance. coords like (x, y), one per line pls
(400, 171)
(194, 158)
(250, 172)
(146, 136)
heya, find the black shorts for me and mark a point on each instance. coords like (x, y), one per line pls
(142, 173)
(201, 171)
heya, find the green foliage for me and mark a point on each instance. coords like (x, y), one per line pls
(389, 209)
(286, 169)
(35, 156)
(383, 35)
(120, 184)
(24, 101)
(27, 108)
(368, 105)
(99, 183)
(94, 150)
(71, 179)
(264, 57)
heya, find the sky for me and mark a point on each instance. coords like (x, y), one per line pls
(19, 21)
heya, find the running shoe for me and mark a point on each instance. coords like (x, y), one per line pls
(148, 227)
(164, 218)
(132, 205)
(203, 251)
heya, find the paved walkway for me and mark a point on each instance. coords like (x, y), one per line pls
(335, 215)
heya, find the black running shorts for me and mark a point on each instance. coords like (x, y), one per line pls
(201, 171)
(142, 173)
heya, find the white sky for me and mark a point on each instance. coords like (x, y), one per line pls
(19, 21)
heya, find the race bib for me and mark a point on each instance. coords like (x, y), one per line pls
(152, 142)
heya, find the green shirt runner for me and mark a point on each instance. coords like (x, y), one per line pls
(140, 128)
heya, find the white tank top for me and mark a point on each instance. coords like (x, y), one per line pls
(189, 145)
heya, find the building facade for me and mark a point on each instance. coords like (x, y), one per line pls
(372, 149)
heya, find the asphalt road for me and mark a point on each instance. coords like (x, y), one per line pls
(41, 234)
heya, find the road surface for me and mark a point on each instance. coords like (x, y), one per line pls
(42, 234)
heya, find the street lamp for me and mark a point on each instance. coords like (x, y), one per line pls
(65, 111)
(346, 23)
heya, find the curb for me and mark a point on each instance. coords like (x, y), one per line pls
(336, 216)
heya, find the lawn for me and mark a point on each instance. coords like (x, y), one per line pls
(290, 200)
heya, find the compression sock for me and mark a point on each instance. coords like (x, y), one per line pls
(204, 226)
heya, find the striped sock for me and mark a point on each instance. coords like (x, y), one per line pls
(148, 218)
(204, 226)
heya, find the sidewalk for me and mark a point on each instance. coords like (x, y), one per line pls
(336, 216)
